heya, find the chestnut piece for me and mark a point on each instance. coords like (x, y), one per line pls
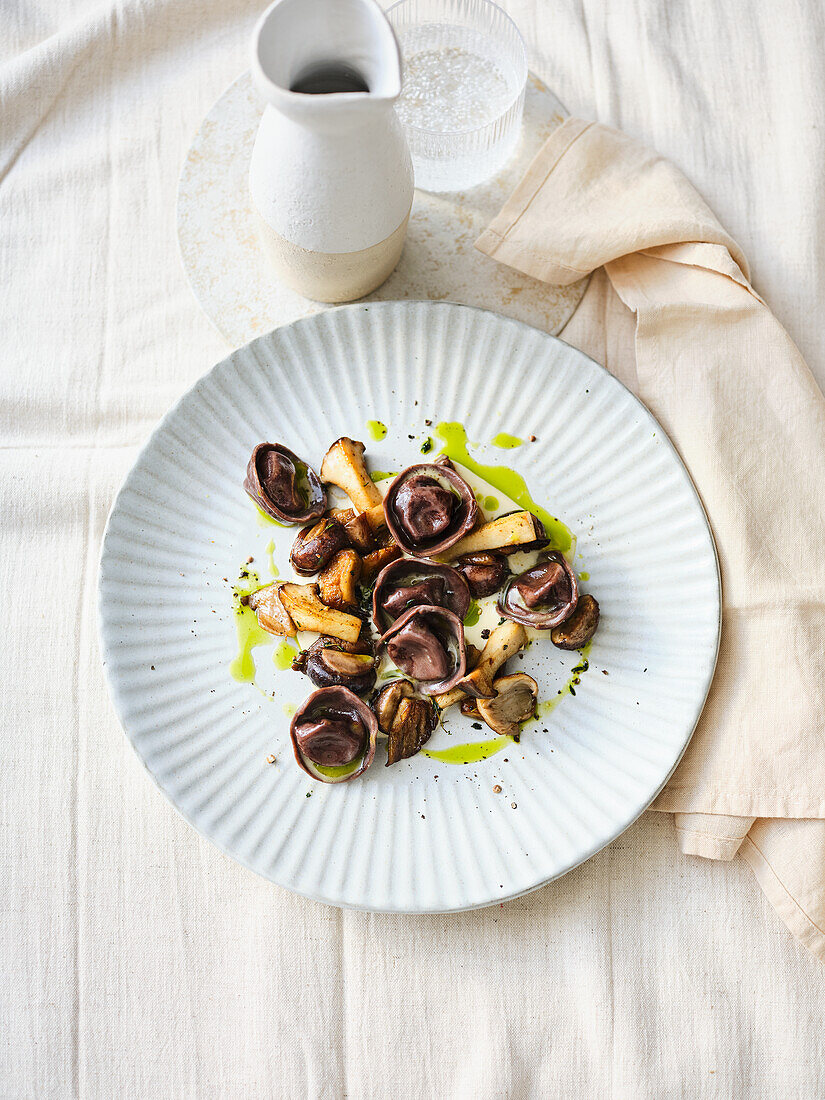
(316, 545)
(386, 551)
(360, 534)
(485, 572)
(544, 584)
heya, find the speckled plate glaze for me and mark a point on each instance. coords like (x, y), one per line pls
(423, 835)
(229, 272)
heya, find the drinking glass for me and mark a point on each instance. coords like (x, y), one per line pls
(465, 71)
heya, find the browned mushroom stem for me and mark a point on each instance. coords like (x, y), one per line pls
(514, 702)
(504, 642)
(404, 584)
(333, 735)
(542, 596)
(407, 719)
(283, 485)
(428, 508)
(308, 612)
(316, 544)
(427, 644)
(345, 467)
(329, 662)
(485, 572)
(506, 534)
(580, 627)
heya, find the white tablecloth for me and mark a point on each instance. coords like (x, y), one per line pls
(140, 962)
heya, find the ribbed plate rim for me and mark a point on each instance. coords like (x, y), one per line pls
(114, 688)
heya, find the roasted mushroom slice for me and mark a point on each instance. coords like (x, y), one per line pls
(308, 613)
(269, 608)
(507, 534)
(514, 702)
(376, 560)
(283, 485)
(345, 467)
(329, 662)
(336, 583)
(428, 508)
(504, 642)
(360, 533)
(409, 583)
(579, 628)
(427, 644)
(316, 544)
(407, 719)
(542, 596)
(485, 572)
(333, 735)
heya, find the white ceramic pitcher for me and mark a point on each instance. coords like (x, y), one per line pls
(331, 175)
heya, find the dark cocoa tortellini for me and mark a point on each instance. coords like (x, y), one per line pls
(542, 596)
(427, 644)
(429, 507)
(283, 485)
(333, 735)
(407, 583)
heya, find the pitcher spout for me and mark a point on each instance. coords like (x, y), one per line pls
(332, 57)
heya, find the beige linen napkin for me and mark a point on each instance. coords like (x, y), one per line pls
(671, 312)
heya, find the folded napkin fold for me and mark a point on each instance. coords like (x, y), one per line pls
(670, 311)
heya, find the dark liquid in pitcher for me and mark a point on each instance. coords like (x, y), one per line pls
(326, 77)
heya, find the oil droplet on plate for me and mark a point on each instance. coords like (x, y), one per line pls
(506, 441)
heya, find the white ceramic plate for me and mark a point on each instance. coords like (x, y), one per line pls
(399, 838)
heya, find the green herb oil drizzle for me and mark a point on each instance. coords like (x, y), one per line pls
(469, 753)
(266, 521)
(270, 555)
(333, 770)
(506, 441)
(473, 613)
(549, 705)
(285, 653)
(503, 478)
(250, 634)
